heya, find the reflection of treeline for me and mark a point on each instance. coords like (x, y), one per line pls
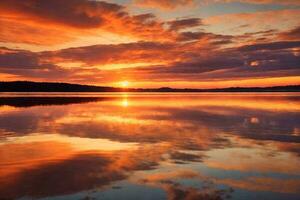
(44, 101)
(290, 88)
(27, 86)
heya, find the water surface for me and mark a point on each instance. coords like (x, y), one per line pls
(150, 146)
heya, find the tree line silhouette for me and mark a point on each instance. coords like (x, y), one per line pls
(28, 86)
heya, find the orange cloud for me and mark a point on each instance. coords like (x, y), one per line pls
(164, 4)
(53, 22)
(30, 32)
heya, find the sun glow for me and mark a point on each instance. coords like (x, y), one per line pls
(124, 84)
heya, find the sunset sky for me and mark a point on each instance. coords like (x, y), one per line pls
(151, 43)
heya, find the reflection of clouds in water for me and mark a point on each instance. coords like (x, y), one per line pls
(62, 176)
(158, 119)
(264, 184)
(226, 137)
(169, 181)
(192, 125)
(41, 169)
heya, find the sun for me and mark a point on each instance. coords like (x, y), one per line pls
(125, 84)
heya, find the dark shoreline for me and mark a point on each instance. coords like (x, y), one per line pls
(27, 86)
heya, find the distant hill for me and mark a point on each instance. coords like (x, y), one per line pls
(28, 86)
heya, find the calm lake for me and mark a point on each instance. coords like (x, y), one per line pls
(150, 146)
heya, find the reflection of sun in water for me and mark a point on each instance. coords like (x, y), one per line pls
(125, 102)
(125, 84)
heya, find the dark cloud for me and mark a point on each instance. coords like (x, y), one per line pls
(19, 59)
(27, 63)
(200, 64)
(293, 34)
(270, 46)
(78, 13)
(184, 23)
(182, 157)
(262, 33)
(102, 54)
(209, 39)
(187, 36)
